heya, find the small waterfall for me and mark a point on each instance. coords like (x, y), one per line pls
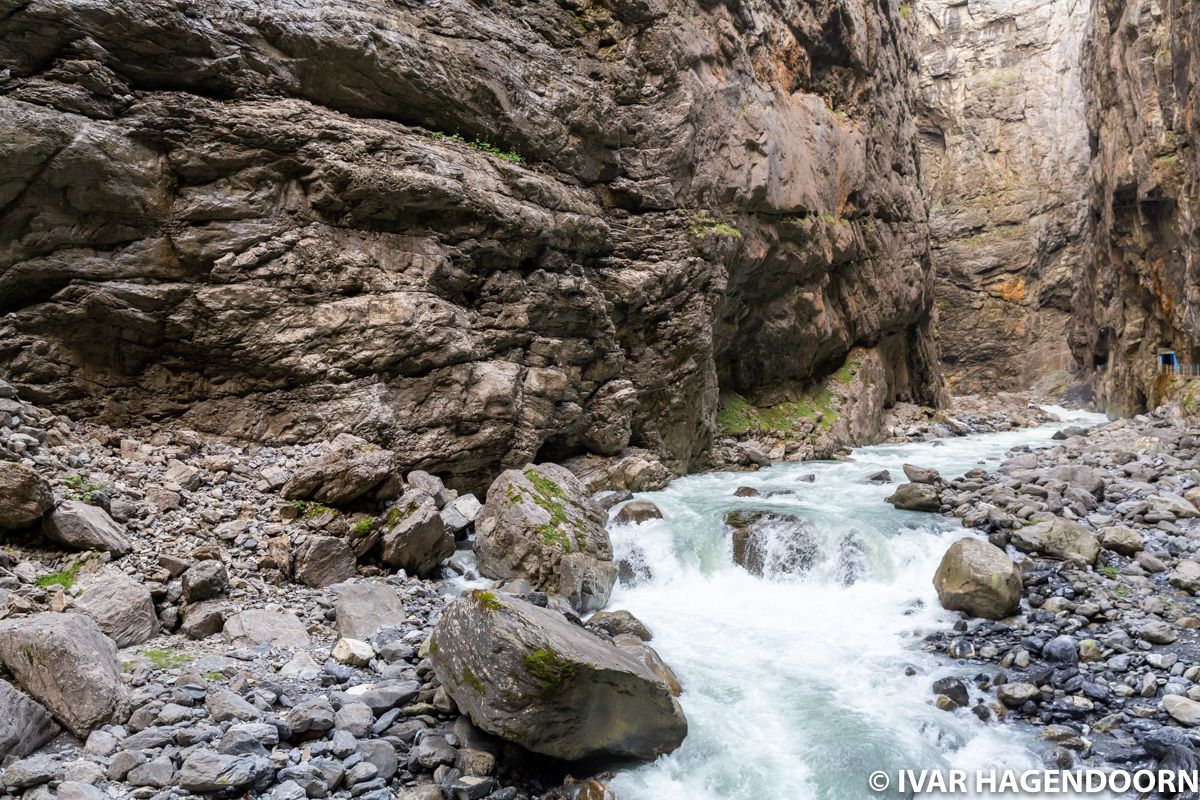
(794, 669)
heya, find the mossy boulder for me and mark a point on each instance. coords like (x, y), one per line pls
(529, 676)
(539, 525)
(977, 578)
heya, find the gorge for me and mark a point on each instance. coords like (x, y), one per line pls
(583, 399)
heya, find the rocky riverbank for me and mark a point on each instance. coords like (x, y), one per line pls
(1078, 610)
(184, 616)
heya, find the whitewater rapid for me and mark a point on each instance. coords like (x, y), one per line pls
(795, 688)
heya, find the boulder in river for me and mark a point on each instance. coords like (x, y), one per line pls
(916, 497)
(528, 675)
(83, 527)
(67, 664)
(765, 543)
(539, 524)
(926, 475)
(26, 495)
(979, 579)
(637, 512)
(1057, 538)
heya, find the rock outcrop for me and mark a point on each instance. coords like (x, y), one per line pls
(1004, 158)
(477, 236)
(1138, 293)
(528, 675)
(26, 496)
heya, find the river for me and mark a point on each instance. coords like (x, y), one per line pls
(795, 688)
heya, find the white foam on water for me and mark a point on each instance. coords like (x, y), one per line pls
(794, 683)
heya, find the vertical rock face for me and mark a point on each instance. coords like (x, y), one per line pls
(1005, 163)
(478, 235)
(1139, 293)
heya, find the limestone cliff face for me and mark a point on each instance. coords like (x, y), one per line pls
(1005, 164)
(1140, 291)
(476, 233)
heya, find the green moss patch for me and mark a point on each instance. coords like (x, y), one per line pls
(487, 601)
(548, 668)
(736, 416)
(64, 578)
(705, 224)
(166, 659)
(549, 497)
(468, 678)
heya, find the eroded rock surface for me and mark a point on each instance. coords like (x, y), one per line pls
(1004, 156)
(528, 675)
(477, 236)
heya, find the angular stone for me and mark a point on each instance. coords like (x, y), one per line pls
(636, 512)
(916, 497)
(68, 665)
(615, 623)
(926, 475)
(207, 771)
(1015, 695)
(323, 561)
(1182, 710)
(341, 475)
(122, 607)
(461, 512)
(363, 608)
(205, 580)
(280, 629)
(25, 496)
(24, 724)
(1186, 576)
(538, 524)
(1120, 539)
(1057, 538)
(82, 527)
(528, 675)
(979, 579)
(414, 538)
(353, 652)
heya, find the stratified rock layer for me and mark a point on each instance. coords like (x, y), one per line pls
(1139, 293)
(1004, 159)
(477, 235)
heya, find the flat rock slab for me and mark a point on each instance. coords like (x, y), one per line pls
(67, 664)
(363, 608)
(258, 626)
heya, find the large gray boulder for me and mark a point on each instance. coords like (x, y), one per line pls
(322, 561)
(363, 608)
(979, 579)
(539, 524)
(528, 675)
(261, 626)
(24, 496)
(341, 475)
(24, 724)
(122, 607)
(82, 527)
(916, 497)
(66, 663)
(413, 535)
(775, 544)
(1057, 538)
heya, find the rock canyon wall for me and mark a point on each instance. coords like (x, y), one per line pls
(1138, 293)
(1005, 162)
(478, 235)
